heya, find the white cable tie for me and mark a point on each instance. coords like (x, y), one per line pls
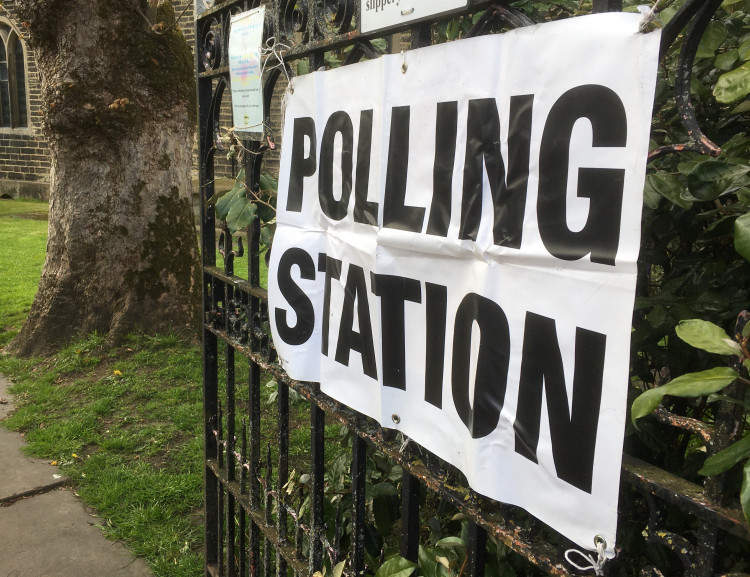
(596, 564)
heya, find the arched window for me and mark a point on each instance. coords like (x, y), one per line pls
(13, 105)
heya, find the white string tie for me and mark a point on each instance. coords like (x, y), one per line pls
(649, 14)
(596, 564)
(274, 48)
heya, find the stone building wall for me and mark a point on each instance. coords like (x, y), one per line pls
(24, 160)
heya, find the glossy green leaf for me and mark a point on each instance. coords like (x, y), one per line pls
(668, 13)
(381, 490)
(268, 184)
(385, 511)
(266, 234)
(238, 185)
(338, 570)
(742, 235)
(712, 39)
(241, 214)
(743, 106)
(715, 398)
(224, 200)
(396, 567)
(427, 563)
(733, 85)
(657, 316)
(712, 178)
(685, 167)
(218, 195)
(451, 542)
(736, 147)
(668, 186)
(708, 337)
(744, 50)
(224, 205)
(651, 198)
(726, 60)
(745, 492)
(728, 458)
(688, 385)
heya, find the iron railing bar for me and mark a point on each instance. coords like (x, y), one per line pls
(687, 495)
(676, 24)
(359, 477)
(210, 404)
(231, 537)
(409, 517)
(214, 73)
(258, 519)
(684, 75)
(707, 433)
(237, 282)
(541, 554)
(704, 558)
(211, 492)
(229, 464)
(339, 41)
(210, 343)
(635, 472)
(283, 471)
(267, 508)
(221, 493)
(254, 459)
(229, 383)
(317, 455)
(476, 551)
(243, 514)
(221, 486)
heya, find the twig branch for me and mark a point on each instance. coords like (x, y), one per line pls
(259, 199)
(154, 27)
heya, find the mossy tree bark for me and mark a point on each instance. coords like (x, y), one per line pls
(119, 102)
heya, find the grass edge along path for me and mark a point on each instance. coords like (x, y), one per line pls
(125, 425)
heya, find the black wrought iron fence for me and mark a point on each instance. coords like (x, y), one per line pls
(262, 518)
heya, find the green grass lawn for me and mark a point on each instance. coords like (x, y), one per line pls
(23, 238)
(125, 423)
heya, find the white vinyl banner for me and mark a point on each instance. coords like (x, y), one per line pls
(455, 257)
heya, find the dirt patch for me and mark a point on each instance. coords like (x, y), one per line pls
(30, 215)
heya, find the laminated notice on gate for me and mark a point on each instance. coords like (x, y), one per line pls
(246, 71)
(455, 256)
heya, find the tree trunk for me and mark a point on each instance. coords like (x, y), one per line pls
(119, 98)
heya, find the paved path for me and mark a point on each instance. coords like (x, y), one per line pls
(45, 530)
